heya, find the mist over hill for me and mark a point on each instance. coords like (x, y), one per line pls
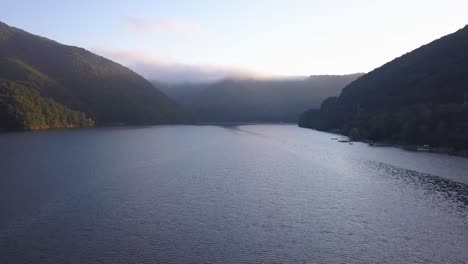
(249, 100)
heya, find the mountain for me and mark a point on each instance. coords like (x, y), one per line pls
(416, 98)
(273, 100)
(78, 80)
(436, 73)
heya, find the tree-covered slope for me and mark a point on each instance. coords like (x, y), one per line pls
(80, 80)
(23, 108)
(418, 98)
(434, 73)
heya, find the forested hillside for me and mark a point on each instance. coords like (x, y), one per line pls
(103, 90)
(24, 109)
(418, 98)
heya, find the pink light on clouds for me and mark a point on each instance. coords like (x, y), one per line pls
(163, 69)
(145, 25)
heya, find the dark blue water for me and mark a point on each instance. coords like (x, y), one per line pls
(248, 194)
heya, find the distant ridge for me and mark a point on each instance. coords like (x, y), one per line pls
(252, 100)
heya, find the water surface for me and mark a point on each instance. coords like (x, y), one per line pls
(243, 194)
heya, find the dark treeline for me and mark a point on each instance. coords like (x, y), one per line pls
(437, 125)
(419, 98)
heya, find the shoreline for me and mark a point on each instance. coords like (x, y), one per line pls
(450, 151)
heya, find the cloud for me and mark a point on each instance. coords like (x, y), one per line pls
(131, 56)
(165, 70)
(144, 25)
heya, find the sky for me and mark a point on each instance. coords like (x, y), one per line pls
(195, 40)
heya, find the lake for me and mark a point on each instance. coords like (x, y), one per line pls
(239, 194)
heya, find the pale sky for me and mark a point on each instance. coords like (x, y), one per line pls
(268, 37)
